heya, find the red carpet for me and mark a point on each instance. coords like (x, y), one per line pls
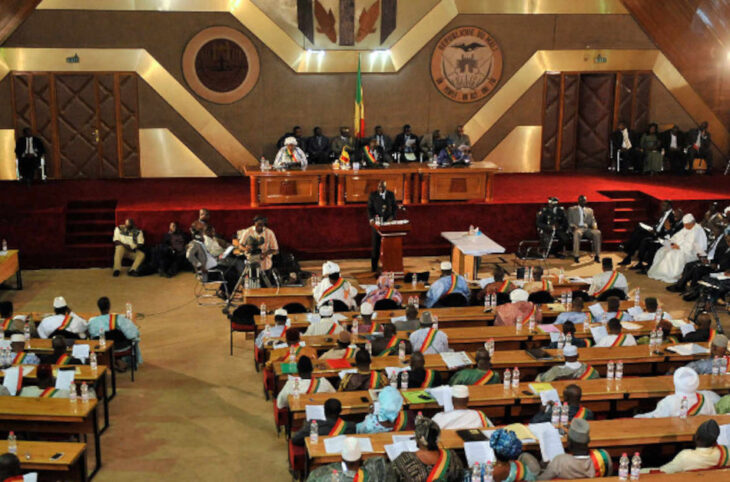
(35, 219)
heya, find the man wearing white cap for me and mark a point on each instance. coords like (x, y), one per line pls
(461, 417)
(448, 283)
(326, 325)
(686, 382)
(718, 348)
(62, 319)
(685, 246)
(17, 343)
(290, 155)
(352, 467)
(572, 369)
(334, 287)
(427, 339)
(517, 310)
(366, 323)
(281, 321)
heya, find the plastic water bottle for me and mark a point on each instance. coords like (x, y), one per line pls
(262, 311)
(5, 246)
(487, 303)
(93, 362)
(394, 380)
(531, 324)
(723, 365)
(568, 339)
(313, 432)
(403, 380)
(635, 466)
(490, 349)
(716, 366)
(292, 356)
(26, 332)
(12, 443)
(297, 389)
(652, 342)
(637, 297)
(476, 473)
(84, 392)
(369, 347)
(488, 472)
(102, 338)
(659, 315)
(561, 341)
(402, 351)
(570, 298)
(72, 396)
(564, 413)
(555, 415)
(128, 312)
(563, 298)
(355, 325)
(507, 380)
(619, 370)
(435, 322)
(683, 407)
(414, 281)
(561, 276)
(610, 370)
(623, 467)
(518, 326)
(516, 378)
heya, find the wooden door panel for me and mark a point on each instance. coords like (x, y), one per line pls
(595, 115)
(77, 126)
(128, 120)
(550, 120)
(570, 121)
(108, 149)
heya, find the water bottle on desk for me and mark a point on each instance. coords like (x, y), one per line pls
(564, 415)
(262, 311)
(555, 415)
(637, 297)
(394, 380)
(507, 379)
(488, 472)
(297, 389)
(619, 370)
(129, 312)
(403, 380)
(570, 299)
(610, 370)
(369, 347)
(26, 334)
(72, 396)
(490, 349)
(516, 378)
(93, 362)
(102, 338)
(402, 351)
(635, 466)
(476, 473)
(518, 325)
(531, 323)
(4, 249)
(435, 322)
(568, 339)
(313, 432)
(652, 342)
(12, 443)
(84, 392)
(561, 341)
(623, 467)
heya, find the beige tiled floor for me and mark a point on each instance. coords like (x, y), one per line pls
(196, 413)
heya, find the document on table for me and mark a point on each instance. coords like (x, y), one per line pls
(315, 412)
(334, 445)
(598, 332)
(550, 396)
(597, 311)
(442, 395)
(345, 372)
(630, 326)
(456, 359)
(80, 351)
(686, 328)
(724, 437)
(688, 349)
(478, 452)
(401, 443)
(64, 379)
(545, 328)
(550, 444)
(10, 380)
(635, 311)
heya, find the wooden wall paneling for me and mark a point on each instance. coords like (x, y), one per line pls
(43, 116)
(642, 94)
(21, 102)
(561, 117)
(550, 122)
(56, 143)
(594, 120)
(107, 125)
(625, 88)
(128, 124)
(569, 127)
(77, 122)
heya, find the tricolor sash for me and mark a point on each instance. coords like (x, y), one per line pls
(338, 428)
(65, 323)
(6, 323)
(332, 289)
(452, 285)
(48, 392)
(360, 476)
(713, 332)
(297, 348)
(332, 329)
(20, 380)
(373, 328)
(401, 421)
(588, 374)
(314, 384)
(390, 347)
(113, 322)
(388, 294)
(697, 407)
(600, 460)
(724, 459)
(581, 413)
(547, 285)
(19, 358)
(369, 155)
(349, 353)
(375, 380)
(529, 315)
(620, 340)
(517, 470)
(439, 470)
(486, 378)
(290, 154)
(428, 379)
(484, 419)
(428, 341)
(64, 359)
(609, 284)
(619, 315)
(505, 286)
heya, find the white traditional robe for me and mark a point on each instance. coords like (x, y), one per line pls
(669, 405)
(283, 158)
(460, 420)
(669, 263)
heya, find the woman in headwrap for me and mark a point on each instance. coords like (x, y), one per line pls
(429, 462)
(390, 403)
(384, 291)
(507, 448)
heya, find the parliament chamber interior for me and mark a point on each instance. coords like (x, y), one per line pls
(364, 240)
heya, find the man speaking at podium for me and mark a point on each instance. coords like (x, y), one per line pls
(381, 205)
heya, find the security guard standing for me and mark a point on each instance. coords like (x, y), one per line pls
(552, 221)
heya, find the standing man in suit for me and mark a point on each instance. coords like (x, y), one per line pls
(625, 143)
(407, 144)
(660, 228)
(381, 204)
(552, 221)
(318, 147)
(459, 138)
(583, 225)
(383, 141)
(28, 151)
(673, 145)
(699, 145)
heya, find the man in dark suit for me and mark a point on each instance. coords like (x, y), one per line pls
(625, 144)
(407, 145)
(716, 260)
(381, 208)
(28, 151)
(318, 148)
(673, 144)
(296, 133)
(657, 231)
(699, 145)
(383, 141)
(372, 155)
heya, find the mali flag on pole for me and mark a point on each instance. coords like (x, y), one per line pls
(359, 105)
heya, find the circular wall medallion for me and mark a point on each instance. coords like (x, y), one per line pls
(466, 64)
(221, 64)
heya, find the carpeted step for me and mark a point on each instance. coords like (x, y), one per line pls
(104, 226)
(93, 204)
(84, 238)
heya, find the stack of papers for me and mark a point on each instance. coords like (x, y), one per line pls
(315, 412)
(536, 387)
(688, 349)
(401, 443)
(630, 326)
(442, 395)
(550, 444)
(598, 332)
(456, 359)
(597, 311)
(523, 433)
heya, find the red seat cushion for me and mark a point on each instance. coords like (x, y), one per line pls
(296, 457)
(241, 327)
(281, 416)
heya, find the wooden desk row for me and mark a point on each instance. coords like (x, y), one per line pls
(661, 435)
(9, 266)
(637, 361)
(512, 405)
(36, 457)
(410, 182)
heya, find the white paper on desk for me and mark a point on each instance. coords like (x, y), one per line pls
(11, 380)
(442, 395)
(686, 328)
(578, 279)
(688, 349)
(280, 345)
(398, 318)
(30, 477)
(548, 328)
(80, 351)
(549, 396)
(5, 344)
(345, 372)
(485, 281)
(635, 311)
(405, 439)
(410, 142)
(389, 371)
(550, 444)
(368, 288)
(554, 336)
(64, 378)
(724, 437)
(630, 326)
(478, 452)
(456, 359)
(313, 317)
(597, 311)
(366, 445)
(395, 449)
(334, 445)
(315, 412)
(598, 332)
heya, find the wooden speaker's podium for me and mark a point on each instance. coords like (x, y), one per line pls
(391, 244)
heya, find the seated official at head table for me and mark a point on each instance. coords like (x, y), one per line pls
(453, 155)
(290, 155)
(371, 155)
